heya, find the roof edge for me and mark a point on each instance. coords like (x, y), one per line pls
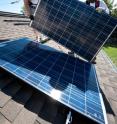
(10, 14)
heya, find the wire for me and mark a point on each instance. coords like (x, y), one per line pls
(13, 2)
(7, 3)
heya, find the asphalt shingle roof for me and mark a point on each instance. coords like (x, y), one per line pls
(21, 104)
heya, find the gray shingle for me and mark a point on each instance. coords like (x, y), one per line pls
(11, 110)
(111, 119)
(3, 120)
(110, 92)
(16, 31)
(114, 106)
(107, 77)
(29, 114)
(13, 107)
(48, 113)
(25, 117)
(8, 92)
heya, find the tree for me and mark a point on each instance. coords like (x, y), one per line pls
(112, 7)
(114, 12)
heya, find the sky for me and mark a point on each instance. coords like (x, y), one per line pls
(5, 5)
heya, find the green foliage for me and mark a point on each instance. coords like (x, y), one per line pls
(114, 12)
(111, 49)
(112, 7)
(112, 53)
(109, 3)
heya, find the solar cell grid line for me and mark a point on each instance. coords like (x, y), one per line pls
(72, 81)
(58, 35)
(100, 96)
(17, 57)
(65, 13)
(23, 62)
(83, 30)
(30, 61)
(61, 72)
(65, 26)
(54, 34)
(98, 34)
(56, 18)
(107, 39)
(30, 73)
(38, 66)
(62, 18)
(49, 11)
(14, 48)
(85, 93)
(67, 79)
(50, 69)
(33, 59)
(46, 22)
(48, 15)
(9, 53)
(6, 64)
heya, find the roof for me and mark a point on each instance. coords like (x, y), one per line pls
(14, 26)
(22, 104)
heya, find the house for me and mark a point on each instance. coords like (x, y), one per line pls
(22, 104)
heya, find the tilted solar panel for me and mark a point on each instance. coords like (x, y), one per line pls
(69, 80)
(74, 25)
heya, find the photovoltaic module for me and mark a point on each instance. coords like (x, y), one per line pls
(69, 80)
(75, 25)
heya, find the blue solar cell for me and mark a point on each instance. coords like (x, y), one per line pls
(74, 25)
(69, 80)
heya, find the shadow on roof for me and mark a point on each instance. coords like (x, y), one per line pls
(107, 104)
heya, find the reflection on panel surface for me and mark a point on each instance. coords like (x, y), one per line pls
(66, 79)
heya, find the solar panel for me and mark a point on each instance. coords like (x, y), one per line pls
(69, 80)
(74, 25)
